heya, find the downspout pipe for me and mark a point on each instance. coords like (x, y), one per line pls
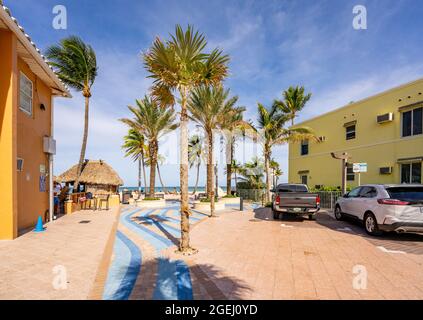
(50, 164)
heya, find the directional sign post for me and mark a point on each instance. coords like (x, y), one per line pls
(359, 168)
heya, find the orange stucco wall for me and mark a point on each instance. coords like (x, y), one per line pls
(21, 201)
(8, 135)
(31, 129)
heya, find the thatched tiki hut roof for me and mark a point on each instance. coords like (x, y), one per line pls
(94, 173)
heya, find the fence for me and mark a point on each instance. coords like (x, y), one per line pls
(329, 198)
(251, 194)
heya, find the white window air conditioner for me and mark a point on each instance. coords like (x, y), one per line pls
(387, 117)
(49, 145)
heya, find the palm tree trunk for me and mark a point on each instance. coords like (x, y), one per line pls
(266, 164)
(198, 176)
(210, 172)
(143, 171)
(153, 165)
(160, 178)
(139, 174)
(184, 245)
(236, 182)
(229, 166)
(84, 145)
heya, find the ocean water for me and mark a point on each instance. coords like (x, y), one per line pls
(169, 189)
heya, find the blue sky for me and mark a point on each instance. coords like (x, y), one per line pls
(272, 44)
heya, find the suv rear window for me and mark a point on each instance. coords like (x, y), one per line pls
(406, 193)
(292, 188)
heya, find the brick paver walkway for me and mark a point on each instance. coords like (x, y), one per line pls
(251, 256)
(74, 245)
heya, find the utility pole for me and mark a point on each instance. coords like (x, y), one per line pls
(344, 157)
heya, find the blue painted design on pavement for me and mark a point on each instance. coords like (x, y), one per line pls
(124, 270)
(184, 284)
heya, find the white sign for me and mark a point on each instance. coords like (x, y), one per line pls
(359, 167)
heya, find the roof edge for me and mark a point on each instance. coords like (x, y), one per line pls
(407, 84)
(19, 31)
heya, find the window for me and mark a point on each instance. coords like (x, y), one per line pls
(355, 193)
(350, 132)
(25, 94)
(350, 172)
(411, 172)
(406, 193)
(368, 192)
(412, 122)
(304, 147)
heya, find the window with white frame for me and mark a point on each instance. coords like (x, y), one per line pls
(25, 94)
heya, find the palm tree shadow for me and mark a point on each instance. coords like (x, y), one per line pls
(266, 214)
(171, 280)
(157, 221)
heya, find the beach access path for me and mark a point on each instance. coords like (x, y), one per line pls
(69, 260)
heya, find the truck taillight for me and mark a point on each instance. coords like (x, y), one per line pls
(318, 200)
(393, 202)
(278, 200)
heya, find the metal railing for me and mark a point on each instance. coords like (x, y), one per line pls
(328, 198)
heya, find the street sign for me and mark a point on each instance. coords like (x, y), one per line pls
(359, 167)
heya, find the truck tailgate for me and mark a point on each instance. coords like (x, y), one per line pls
(297, 200)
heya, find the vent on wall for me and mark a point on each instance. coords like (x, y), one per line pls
(387, 117)
(322, 138)
(385, 170)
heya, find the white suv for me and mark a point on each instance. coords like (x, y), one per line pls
(396, 208)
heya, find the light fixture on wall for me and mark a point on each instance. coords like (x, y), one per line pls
(42, 107)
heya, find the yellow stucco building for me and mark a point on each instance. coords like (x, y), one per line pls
(384, 131)
(27, 88)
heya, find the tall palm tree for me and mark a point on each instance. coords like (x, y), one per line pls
(294, 100)
(195, 156)
(153, 121)
(235, 169)
(160, 161)
(177, 66)
(272, 122)
(276, 172)
(233, 125)
(76, 65)
(208, 106)
(135, 147)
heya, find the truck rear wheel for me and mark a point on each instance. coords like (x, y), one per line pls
(311, 217)
(276, 215)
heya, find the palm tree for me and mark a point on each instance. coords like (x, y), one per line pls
(208, 106)
(195, 156)
(134, 145)
(160, 161)
(177, 66)
(271, 122)
(233, 125)
(294, 101)
(235, 169)
(76, 65)
(276, 172)
(153, 121)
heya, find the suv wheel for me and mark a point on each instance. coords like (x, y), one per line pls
(338, 213)
(370, 224)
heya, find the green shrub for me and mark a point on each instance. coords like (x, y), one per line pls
(151, 199)
(208, 200)
(269, 205)
(230, 196)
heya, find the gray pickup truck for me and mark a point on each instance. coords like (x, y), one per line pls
(295, 198)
